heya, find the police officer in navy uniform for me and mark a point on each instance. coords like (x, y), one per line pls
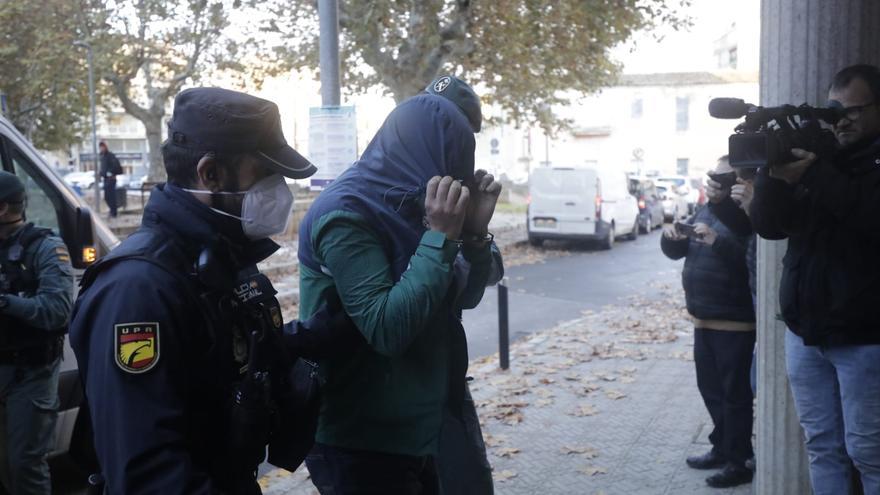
(36, 296)
(163, 330)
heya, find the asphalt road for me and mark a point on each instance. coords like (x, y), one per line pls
(545, 294)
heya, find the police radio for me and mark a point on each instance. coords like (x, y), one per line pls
(252, 411)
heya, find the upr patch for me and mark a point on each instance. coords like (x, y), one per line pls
(136, 346)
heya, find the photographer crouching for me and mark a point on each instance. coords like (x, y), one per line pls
(827, 206)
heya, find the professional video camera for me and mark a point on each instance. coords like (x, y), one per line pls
(767, 135)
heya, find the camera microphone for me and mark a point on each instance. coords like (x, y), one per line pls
(728, 108)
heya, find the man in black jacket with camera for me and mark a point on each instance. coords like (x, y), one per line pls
(716, 286)
(828, 208)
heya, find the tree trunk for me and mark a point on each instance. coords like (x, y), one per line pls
(153, 125)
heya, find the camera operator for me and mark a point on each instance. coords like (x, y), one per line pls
(830, 288)
(716, 289)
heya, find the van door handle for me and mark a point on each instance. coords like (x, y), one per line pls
(571, 203)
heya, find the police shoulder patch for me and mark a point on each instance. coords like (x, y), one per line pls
(136, 346)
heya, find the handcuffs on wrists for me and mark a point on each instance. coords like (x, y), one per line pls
(476, 239)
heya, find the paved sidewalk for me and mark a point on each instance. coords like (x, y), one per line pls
(606, 404)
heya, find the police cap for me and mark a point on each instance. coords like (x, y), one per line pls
(224, 121)
(460, 93)
(11, 187)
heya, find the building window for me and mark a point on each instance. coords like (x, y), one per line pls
(682, 113)
(681, 166)
(637, 108)
(732, 57)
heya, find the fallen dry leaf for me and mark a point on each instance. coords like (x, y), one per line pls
(506, 451)
(494, 440)
(614, 395)
(505, 475)
(593, 470)
(584, 451)
(584, 410)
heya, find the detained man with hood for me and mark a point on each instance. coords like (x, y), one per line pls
(402, 239)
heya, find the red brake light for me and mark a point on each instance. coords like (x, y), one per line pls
(598, 207)
(642, 204)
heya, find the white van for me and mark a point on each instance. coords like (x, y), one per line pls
(580, 204)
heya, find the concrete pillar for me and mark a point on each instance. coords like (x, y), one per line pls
(803, 44)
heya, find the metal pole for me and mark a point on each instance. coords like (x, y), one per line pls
(88, 48)
(503, 325)
(546, 150)
(328, 14)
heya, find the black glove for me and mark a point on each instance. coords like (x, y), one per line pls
(328, 333)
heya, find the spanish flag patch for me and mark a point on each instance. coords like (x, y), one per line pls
(136, 346)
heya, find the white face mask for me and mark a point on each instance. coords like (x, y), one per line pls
(266, 208)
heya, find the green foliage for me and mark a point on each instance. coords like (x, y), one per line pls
(524, 56)
(44, 77)
(151, 48)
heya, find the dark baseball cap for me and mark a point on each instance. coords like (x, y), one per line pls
(225, 121)
(10, 186)
(460, 93)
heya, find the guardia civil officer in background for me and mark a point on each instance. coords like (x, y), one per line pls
(36, 295)
(171, 330)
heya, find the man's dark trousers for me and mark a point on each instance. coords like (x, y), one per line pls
(338, 471)
(723, 360)
(110, 194)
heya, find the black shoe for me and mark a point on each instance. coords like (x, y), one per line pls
(731, 475)
(709, 460)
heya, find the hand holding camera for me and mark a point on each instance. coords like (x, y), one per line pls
(742, 194)
(792, 172)
(704, 234)
(718, 186)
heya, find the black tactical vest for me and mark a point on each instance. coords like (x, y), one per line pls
(18, 277)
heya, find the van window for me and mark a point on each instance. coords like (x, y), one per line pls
(569, 182)
(40, 205)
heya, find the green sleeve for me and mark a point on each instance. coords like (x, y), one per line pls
(390, 315)
(50, 307)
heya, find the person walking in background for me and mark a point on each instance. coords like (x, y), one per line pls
(716, 286)
(110, 168)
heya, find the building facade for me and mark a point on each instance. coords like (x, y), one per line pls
(648, 123)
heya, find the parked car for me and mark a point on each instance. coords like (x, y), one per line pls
(674, 204)
(53, 203)
(650, 205)
(137, 181)
(686, 187)
(580, 204)
(80, 180)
